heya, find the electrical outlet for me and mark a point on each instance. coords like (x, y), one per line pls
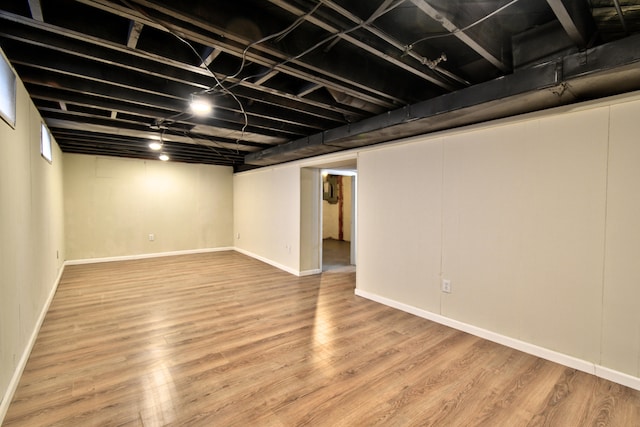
(446, 286)
(152, 237)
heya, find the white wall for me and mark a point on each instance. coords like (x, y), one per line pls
(31, 238)
(518, 215)
(267, 215)
(113, 204)
(535, 220)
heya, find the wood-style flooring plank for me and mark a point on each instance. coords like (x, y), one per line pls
(221, 339)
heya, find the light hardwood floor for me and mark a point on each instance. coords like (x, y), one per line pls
(220, 339)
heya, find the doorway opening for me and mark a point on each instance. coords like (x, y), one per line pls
(338, 219)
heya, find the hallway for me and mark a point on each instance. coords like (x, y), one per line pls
(336, 255)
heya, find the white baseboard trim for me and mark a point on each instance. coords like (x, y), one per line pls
(618, 377)
(144, 256)
(22, 363)
(268, 261)
(280, 266)
(310, 272)
(544, 353)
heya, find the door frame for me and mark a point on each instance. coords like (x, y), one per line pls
(352, 173)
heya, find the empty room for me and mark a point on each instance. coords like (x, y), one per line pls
(319, 212)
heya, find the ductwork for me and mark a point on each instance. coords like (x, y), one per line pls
(601, 71)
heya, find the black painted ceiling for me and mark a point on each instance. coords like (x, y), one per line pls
(296, 78)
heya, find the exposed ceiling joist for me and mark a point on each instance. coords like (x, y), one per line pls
(554, 83)
(297, 78)
(210, 57)
(308, 89)
(488, 48)
(91, 48)
(134, 34)
(342, 34)
(264, 78)
(428, 62)
(234, 44)
(623, 22)
(149, 135)
(575, 19)
(36, 10)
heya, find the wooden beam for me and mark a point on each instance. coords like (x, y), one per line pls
(135, 28)
(36, 10)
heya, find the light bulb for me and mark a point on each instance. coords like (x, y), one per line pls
(163, 157)
(200, 106)
(155, 145)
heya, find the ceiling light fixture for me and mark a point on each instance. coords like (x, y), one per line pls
(200, 106)
(163, 157)
(155, 145)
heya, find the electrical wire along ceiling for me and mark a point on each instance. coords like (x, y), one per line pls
(281, 80)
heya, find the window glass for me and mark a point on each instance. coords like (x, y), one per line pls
(7, 91)
(45, 143)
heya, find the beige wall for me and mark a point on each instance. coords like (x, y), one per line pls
(310, 199)
(113, 204)
(267, 215)
(621, 291)
(31, 236)
(523, 230)
(399, 223)
(534, 219)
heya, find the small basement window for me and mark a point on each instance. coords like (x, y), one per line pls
(7, 91)
(45, 143)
